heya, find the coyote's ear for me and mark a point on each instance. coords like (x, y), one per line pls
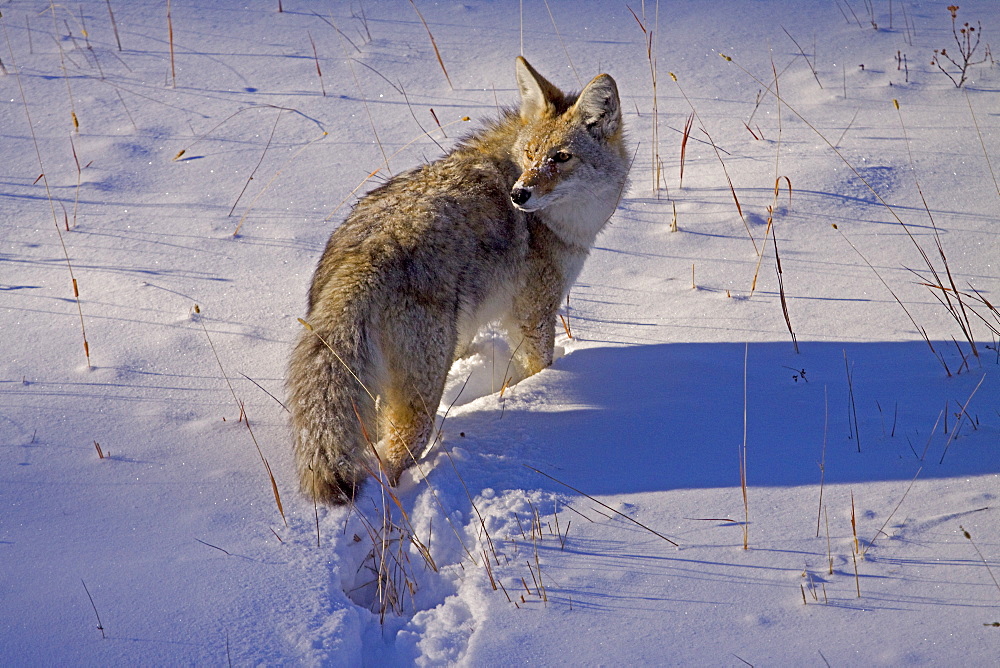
(538, 96)
(598, 107)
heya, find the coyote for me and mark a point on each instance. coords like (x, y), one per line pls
(496, 230)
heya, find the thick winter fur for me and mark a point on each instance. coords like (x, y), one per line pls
(496, 230)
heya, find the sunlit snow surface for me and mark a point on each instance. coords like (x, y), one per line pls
(572, 484)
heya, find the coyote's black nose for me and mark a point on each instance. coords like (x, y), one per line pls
(520, 195)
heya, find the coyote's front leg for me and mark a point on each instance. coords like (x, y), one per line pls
(534, 332)
(537, 344)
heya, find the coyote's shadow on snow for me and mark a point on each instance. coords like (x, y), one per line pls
(613, 420)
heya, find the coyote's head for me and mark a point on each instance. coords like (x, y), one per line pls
(570, 150)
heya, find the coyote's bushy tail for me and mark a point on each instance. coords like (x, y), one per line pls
(332, 412)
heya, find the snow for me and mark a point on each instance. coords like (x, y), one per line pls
(574, 484)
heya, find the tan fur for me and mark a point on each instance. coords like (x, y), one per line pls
(496, 230)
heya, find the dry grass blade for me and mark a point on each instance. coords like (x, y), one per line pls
(743, 455)
(982, 143)
(267, 185)
(822, 460)
(246, 185)
(100, 627)
(261, 388)
(650, 44)
(319, 72)
(114, 25)
(961, 414)
(48, 193)
(79, 180)
(603, 505)
(957, 311)
(433, 44)
(981, 557)
(881, 529)
(802, 53)
(561, 43)
(170, 35)
(920, 329)
(684, 140)
(781, 293)
(736, 200)
(339, 31)
(852, 410)
(246, 418)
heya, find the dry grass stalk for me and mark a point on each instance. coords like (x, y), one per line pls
(79, 180)
(565, 320)
(62, 64)
(261, 388)
(958, 310)
(781, 295)
(603, 505)
(684, 141)
(822, 459)
(319, 72)
(565, 324)
(170, 35)
(961, 414)
(852, 410)
(812, 67)
(225, 120)
(273, 178)
(982, 143)
(257, 166)
(854, 552)
(114, 25)
(389, 563)
(854, 525)
(48, 194)
(981, 557)
(743, 454)
(561, 43)
(829, 546)
(920, 329)
(770, 221)
(100, 453)
(329, 22)
(100, 627)
(881, 529)
(440, 127)
(433, 44)
(736, 200)
(216, 547)
(849, 125)
(650, 44)
(246, 418)
(371, 121)
(364, 19)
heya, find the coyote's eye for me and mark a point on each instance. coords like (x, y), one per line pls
(561, 156)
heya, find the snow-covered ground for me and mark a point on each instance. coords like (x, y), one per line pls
(601, 496)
